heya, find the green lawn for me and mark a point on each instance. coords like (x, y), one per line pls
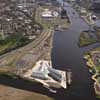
(12, 42)
(85, 40)
(98, 96)
(36, 96)
(98, 68)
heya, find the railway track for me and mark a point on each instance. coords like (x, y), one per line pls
(18, 53)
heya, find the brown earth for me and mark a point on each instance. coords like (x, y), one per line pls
(10, 93)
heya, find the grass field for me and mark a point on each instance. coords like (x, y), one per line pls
(86, 39)
(12, 42)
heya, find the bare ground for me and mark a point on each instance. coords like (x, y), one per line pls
(10, 93)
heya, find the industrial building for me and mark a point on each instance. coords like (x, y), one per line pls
(55, 74)
(45, 74)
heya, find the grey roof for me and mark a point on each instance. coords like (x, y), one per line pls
(39, 75)
(55, 74)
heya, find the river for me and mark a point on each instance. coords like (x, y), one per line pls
(66, 54)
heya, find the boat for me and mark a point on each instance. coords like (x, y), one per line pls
(69, 76)
(51, 90)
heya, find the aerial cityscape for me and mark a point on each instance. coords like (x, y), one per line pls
(49, 49)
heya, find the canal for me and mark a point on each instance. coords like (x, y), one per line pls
(67, 55)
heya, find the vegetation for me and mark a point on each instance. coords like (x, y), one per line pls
(11, 42)
(86, 39)
(98, 68)
(94, 69)
(97, 96)
(97, 49)
(84, 42)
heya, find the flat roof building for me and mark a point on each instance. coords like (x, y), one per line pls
(55, 74)
(39, 75)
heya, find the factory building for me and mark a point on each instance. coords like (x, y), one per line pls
(39, 75)
(55, 74)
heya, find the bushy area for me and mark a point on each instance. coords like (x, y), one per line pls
(12, 42)
(86, 38)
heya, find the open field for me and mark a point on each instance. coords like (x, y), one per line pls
(7, 93)
(87, 38)
(12, 42)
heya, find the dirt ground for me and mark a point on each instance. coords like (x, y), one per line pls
(10, 93)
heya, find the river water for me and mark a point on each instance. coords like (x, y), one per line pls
(66, 54)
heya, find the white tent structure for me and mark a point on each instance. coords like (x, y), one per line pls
(47, 13)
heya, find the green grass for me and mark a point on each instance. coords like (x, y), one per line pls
(85, 40)
(12, 42)
(98, 68)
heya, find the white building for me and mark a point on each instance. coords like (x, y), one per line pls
(49, 14)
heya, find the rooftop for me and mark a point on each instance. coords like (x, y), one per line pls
(45, 74)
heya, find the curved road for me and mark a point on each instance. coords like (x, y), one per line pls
(66, 54)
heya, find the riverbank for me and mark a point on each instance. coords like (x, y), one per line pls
(88, 37)
(84, 13)
(92, 58)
